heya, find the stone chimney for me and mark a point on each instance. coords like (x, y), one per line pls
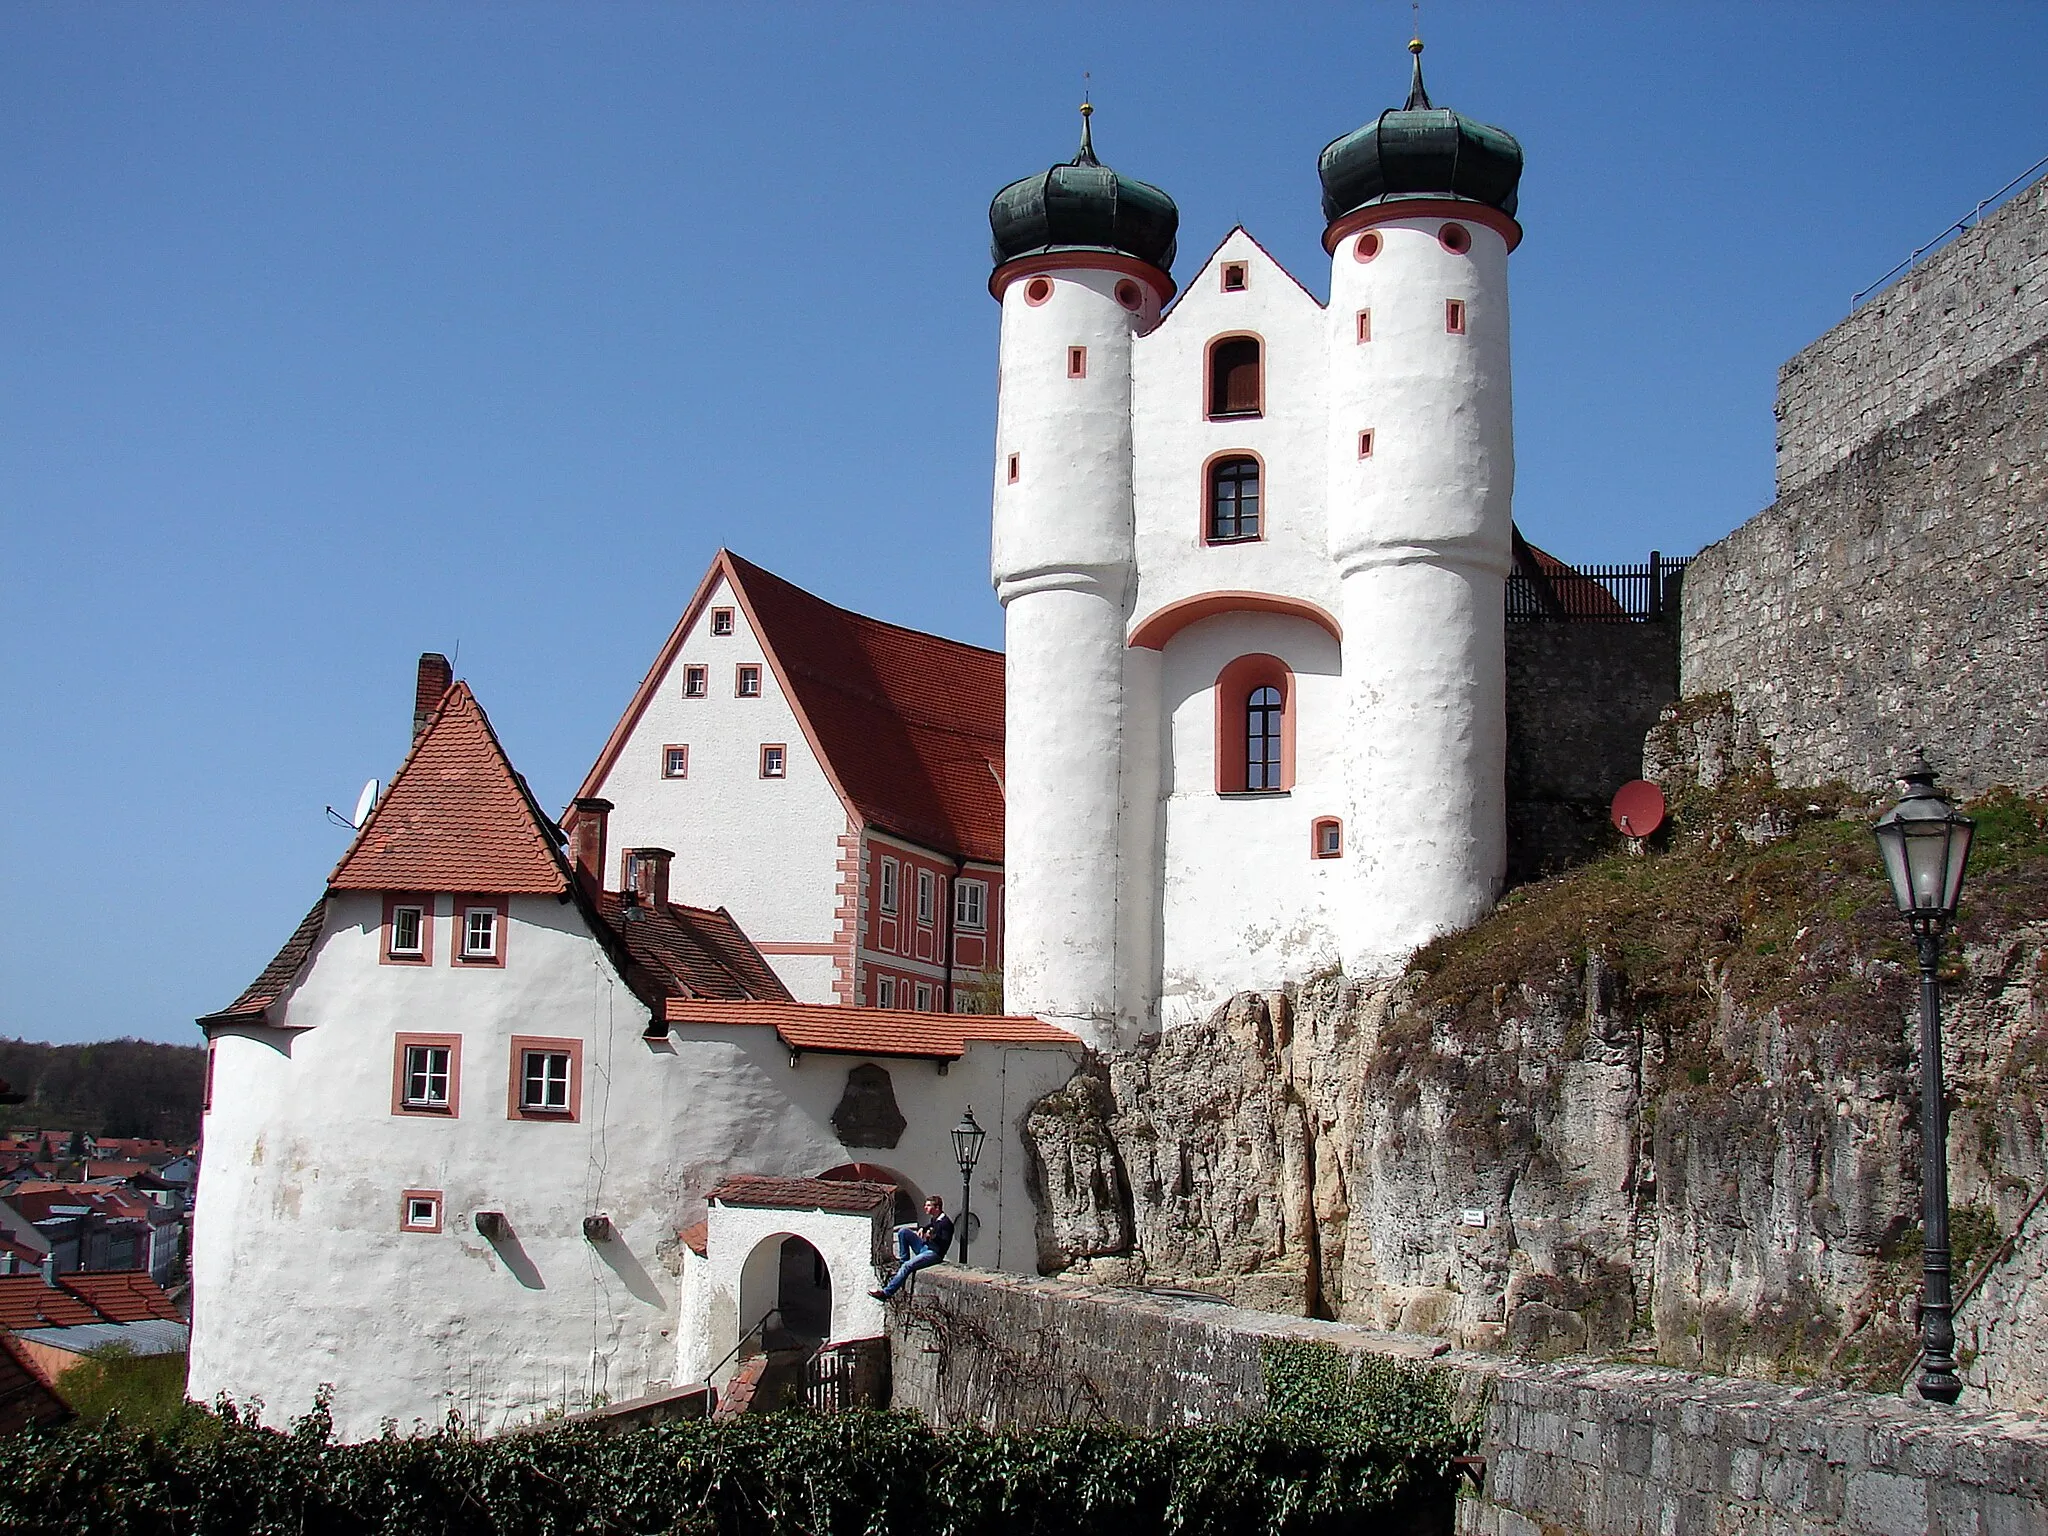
(650, 874)
(435, 679)
(50, 1268)
(586, 846)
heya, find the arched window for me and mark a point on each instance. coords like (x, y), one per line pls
(1233, 500)
(1255, 727)
(1236, 385)
(1262, 714)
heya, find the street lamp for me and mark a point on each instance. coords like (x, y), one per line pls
(1926, 844)
(967, 1140)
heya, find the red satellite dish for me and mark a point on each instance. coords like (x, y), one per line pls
(1638, 808)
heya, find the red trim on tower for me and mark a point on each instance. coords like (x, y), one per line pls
(1152, 633)
(1423, 208)
(1079, 261)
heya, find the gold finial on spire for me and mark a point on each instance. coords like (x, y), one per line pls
(1087, 154)
(1418, 97)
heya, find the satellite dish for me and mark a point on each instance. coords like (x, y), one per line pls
(1638, 808)
(366, 802)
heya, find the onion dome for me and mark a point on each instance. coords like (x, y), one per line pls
(1420, 151)
(1083, 206)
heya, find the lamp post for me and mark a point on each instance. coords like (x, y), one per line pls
(1926, 844)
(967, 1140)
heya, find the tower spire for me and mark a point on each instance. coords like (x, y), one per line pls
(1418, 97)
(1087, 154)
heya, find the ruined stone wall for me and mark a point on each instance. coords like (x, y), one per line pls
(1580, 697)
(1970, 306)
(1569, 1450)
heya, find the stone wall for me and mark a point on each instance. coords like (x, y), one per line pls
(1570, 1449)
(1972, 305)
(1580, 697)
(1897, 593)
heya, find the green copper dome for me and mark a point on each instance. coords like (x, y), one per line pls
(1420, 151)
(1083, 206)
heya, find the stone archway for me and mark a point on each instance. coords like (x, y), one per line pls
(786, 1281)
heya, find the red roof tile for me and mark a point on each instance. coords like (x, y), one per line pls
(122, 1295)
(25, 1302)
(693, 952)
(24, 1397)
(909, 725)
(456, 818)
(696, 1237)
(1577, 596)
(872, 1031)
(803, 1194)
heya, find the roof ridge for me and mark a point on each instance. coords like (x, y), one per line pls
(855, 613)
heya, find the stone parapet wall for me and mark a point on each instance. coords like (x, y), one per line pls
(1971, 306)
(1900, 598)
(1570, 1449)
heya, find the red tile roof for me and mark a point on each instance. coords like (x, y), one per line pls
(1577, 597)
(692, 951)
(456, 818)
(803, 1194)
(37, 1199)
(872, 1031)
(909, 726)
(25, 1302)
(122, 1295)
(696, 1237)
(24, 1397)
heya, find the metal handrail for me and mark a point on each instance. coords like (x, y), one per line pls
(1967, 221)
(760, 1323)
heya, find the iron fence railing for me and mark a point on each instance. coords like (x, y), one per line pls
(1595, 594)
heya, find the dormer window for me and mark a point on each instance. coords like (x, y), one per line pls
(1236, 377)
(721, 621)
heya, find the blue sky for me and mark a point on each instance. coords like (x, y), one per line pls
(338, 332)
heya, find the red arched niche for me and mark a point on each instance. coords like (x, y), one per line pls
(1235, 685)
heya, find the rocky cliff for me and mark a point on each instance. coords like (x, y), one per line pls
(1664, 1107)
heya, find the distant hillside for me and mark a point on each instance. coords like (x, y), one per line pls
(110, 1088)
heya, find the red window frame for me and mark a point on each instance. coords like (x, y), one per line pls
(453, 1045)
(405, 1221)
(393, 900)
(1235, 685)
(675, 760)
(516, 1107)
(742, 674)
(1316, 829)
(781, 751)
(458, 937)
(696, 681)
(721, 621)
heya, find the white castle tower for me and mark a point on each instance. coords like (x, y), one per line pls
(1252, 555)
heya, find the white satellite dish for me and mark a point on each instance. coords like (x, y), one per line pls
(366, 802)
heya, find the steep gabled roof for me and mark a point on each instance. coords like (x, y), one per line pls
(908, 726)
(873, 1031)
(692, 951)
(456, 818)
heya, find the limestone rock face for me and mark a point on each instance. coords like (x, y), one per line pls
(1560, 1177)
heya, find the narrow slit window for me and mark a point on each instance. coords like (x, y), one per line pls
(1077, 362)
(1365, 444)
(1013, 469)
(1235, 384)
(926, 888)
(1454, 316)
(1233, 500)
(889, 868)
(1262, 739)
(1365, 325)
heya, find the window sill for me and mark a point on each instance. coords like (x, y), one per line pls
(438, 1111)
(1236, 415)
(1247, 538)
(1253, 794)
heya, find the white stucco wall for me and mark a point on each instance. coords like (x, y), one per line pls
(767, 849)
(302, 1276)
(743, 1245)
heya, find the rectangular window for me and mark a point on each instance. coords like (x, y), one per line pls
(547, 1078)
(889, 885)
(1013, 469)
(408, 933)
(772, 761)
(885, 991)
(924, 998)
(1328, 839)
(675, 762)
(1365, 444)
(1454, 316)
(747, 682)
(1234, 280)
(426, 1075)
(1077, 362)
(925, 888)
(721, 621)
(1365, 325)
(696, 682)
(419, 1210)
(970, 904)
(479, 933)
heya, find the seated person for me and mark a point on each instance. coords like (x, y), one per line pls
(919, 1246)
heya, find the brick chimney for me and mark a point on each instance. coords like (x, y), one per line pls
(650, 874)
(586, 845)
(436, 677)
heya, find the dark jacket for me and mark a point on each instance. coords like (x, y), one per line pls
(937, 1233)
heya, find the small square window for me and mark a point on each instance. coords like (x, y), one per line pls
(1077, 362)
(675, 762)
(926, 889)
(1234, 277)
(889, 868)
(480, 933)
(773, 761)
(1454, 316)
(721, 621)
(1365, 325)
(924, 997)
(544, 1081)
(885, 991)
(696, 682)
(1326, 838)
(408, 933)
(747, 682)
(1365, 444)
(1013, 469)
(970, 905)
(420, 1211)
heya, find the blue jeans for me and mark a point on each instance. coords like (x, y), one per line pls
(914, 1253)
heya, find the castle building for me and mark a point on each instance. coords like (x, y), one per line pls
(1251, 550)
(836, 779)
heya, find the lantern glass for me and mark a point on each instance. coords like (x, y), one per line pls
(967, 1139)
(1926, 848)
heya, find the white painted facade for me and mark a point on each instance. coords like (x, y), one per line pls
(1142, 894)
(303, 1274)
(764, 848)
